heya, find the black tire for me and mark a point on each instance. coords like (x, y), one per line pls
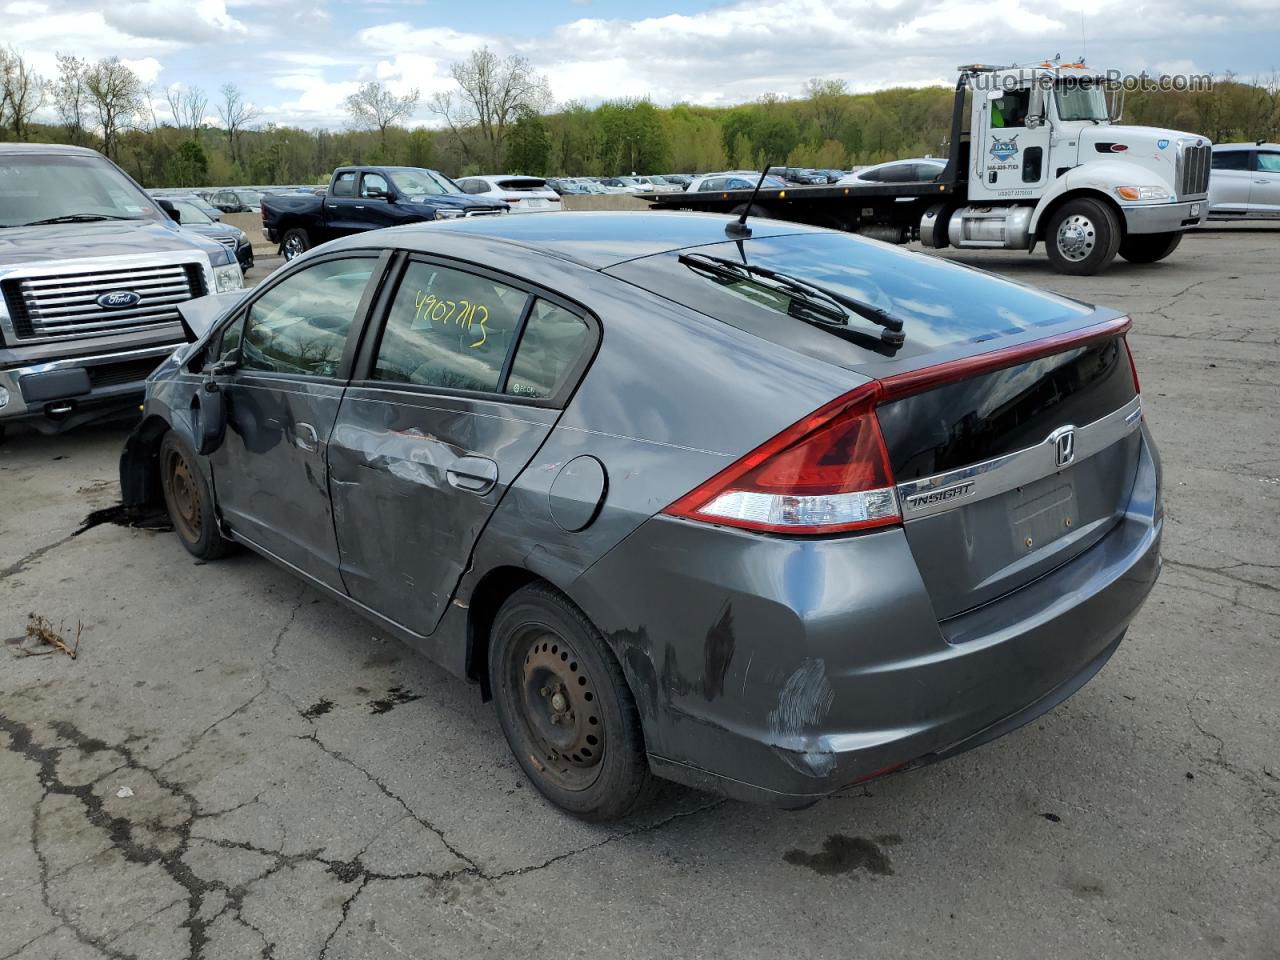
(1082, 237)
(1149, 247)
(294, 243)
(547, 660)
(189, 501)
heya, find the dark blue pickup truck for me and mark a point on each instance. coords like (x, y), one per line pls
(367, 198)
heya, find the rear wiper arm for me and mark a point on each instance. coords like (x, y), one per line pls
(813, 307)
(76, 218)
(826, 302)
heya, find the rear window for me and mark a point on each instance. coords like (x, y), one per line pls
(525, 183)
(940, 303)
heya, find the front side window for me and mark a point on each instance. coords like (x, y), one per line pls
(374, 184)
(190, 213)
(449, 329)
(1269, 162)
(300, 325)
(550, 346)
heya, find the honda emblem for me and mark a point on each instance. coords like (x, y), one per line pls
(1064, 445)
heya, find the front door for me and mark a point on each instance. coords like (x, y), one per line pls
(1264, 192)
(1230, 180)
(1010, 159)
(270, 474)
(446, 408)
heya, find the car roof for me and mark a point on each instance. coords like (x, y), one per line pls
(1246, 146)
(597, 239)
(58, 148)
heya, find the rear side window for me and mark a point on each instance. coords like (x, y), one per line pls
(448, 328)
(1231, 160)
(552, 343)
(344, 185)
(300, 325)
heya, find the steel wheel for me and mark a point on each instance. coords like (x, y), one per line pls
(1077, 236)
(558, 708)
(184, 496)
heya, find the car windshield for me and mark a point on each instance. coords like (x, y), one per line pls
(1078, 101)
(190, 212)
(52, 188)
(420, 182)
(658, 180)
(249, 197)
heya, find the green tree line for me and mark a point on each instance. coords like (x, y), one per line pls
(500, 118)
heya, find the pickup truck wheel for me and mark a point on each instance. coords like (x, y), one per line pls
(189, 501)
(1149, 247)
(565, 707)
(1082, 237)
(295, 244)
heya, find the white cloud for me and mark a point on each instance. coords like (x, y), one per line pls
(182, 21)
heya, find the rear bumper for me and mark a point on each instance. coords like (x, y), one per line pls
(1165, 217)
(781, 671)
(55, 395)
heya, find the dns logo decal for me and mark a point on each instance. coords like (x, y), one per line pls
(1002, 150)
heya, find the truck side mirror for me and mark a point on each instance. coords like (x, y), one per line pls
(1115, 105)
(1035, 108)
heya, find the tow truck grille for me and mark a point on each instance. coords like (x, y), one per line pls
(66, 307)
(1195, 171)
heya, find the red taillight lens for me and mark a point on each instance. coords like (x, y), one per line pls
(1133, 367)
(829, 473)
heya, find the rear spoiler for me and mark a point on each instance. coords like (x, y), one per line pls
(199, 315)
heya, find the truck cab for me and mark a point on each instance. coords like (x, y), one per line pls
(92, 272)
(1046, 160)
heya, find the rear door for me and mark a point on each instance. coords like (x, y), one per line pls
(295, 341)
(342, 206)
(452, 398)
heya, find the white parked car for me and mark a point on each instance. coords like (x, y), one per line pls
(915, 170)
(1245, 181)
(525, 194)
(657, 184)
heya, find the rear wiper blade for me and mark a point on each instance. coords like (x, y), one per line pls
(76, 218)
(835, 307)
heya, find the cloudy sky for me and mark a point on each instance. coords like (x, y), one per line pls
(297, 61)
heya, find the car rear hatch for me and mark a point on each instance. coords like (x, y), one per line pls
(531, 192)
(1005, 474)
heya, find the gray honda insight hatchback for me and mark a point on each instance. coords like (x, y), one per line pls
(767, 512)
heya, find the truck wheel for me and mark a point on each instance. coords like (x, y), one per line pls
(295, 243)
(189, 500)
(565, 707)
(1149, 247)
(1082, 237)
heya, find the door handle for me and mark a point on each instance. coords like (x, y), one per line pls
(473, 474)
(306, 438)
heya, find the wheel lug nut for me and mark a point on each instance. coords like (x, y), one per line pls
(555, 718)
(544, 691)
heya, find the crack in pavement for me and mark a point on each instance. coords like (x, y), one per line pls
(123, 836)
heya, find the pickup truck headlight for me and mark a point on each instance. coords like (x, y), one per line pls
(448, 214)
(1143, 193)
(227, 278)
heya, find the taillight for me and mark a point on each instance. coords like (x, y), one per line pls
(829, 473)
(1133, 367)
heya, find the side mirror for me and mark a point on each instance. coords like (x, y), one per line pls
(1115, 105)
(1035, 108)
(170, 210)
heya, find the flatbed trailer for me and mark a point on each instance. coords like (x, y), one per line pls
(1045, 162)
